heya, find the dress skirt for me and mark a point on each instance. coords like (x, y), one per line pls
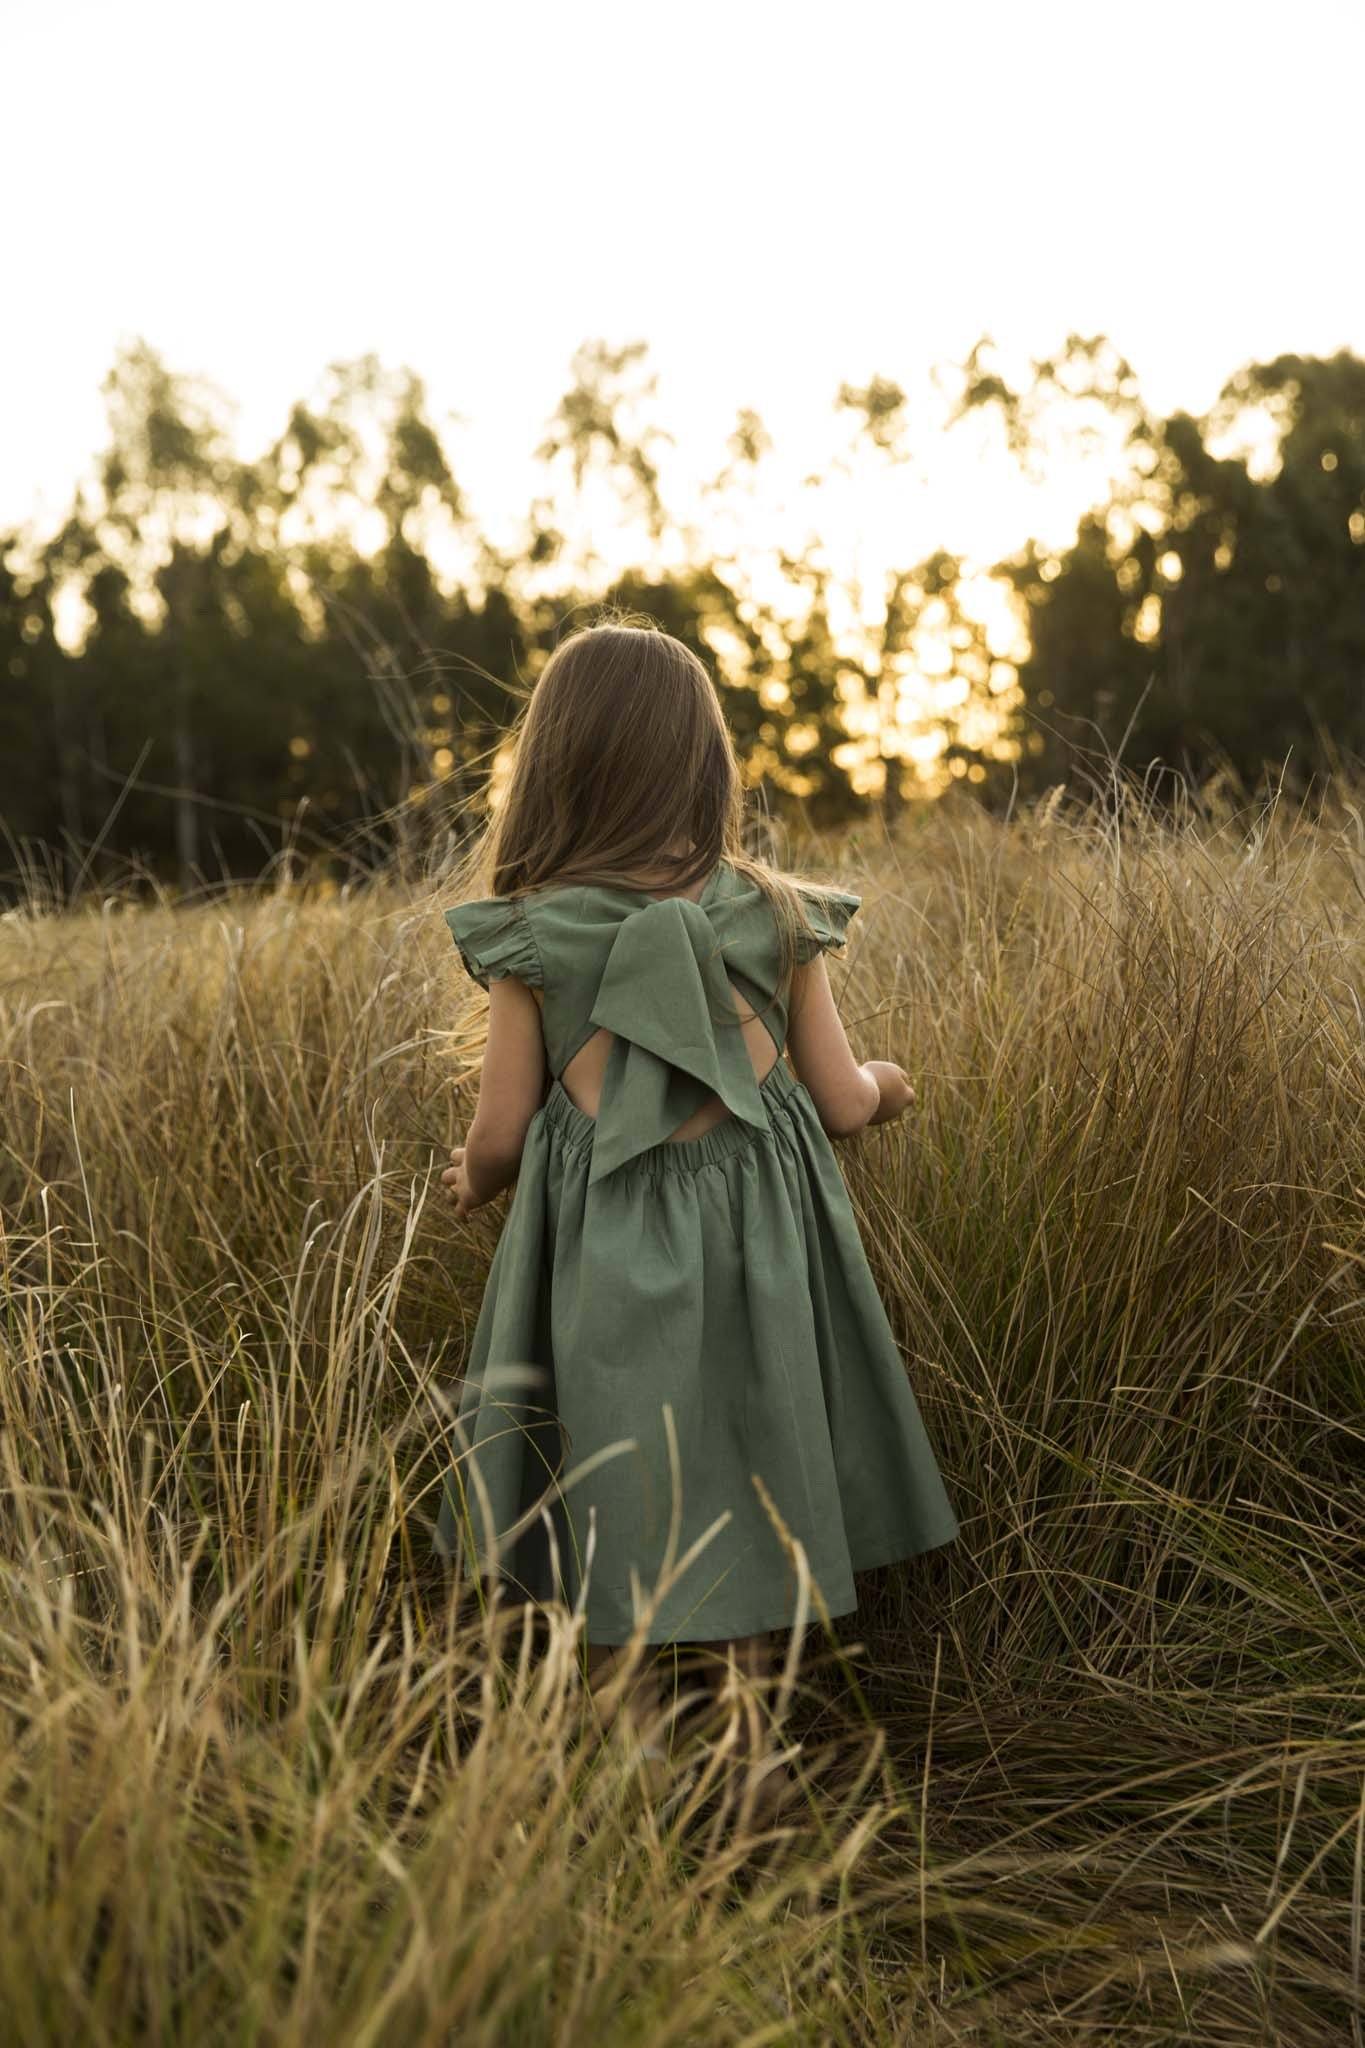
(649, 1347)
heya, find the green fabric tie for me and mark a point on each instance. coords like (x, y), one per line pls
(667, 997)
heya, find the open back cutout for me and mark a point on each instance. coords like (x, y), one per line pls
(582, 1077)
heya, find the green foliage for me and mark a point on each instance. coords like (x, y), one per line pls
(272, 664)
(1253, 589)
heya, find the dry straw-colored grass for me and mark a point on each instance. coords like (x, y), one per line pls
(1097, 1772)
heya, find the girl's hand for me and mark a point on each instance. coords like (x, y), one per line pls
(455, 1181)
(897, 1090)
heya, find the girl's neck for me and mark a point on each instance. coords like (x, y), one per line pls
(655, 885)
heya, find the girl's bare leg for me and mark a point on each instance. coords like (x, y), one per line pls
(642, 1702)
(754, 1654)
(754, 1658)
(643, 1706)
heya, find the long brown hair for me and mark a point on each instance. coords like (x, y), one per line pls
(620, 752)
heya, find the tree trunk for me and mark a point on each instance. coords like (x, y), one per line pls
(893, 803)
(68, 777)
(186, 813)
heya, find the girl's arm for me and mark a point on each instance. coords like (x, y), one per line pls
(511, 1088)
(847, 1096)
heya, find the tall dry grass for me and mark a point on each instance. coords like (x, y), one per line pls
(1097, 1772)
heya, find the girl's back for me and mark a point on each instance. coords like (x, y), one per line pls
(680, 1317)
(583, 1075)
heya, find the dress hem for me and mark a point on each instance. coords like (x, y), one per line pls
(729, 1633)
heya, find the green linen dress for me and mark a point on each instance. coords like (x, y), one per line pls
(719, 1278)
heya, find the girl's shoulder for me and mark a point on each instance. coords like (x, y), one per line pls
(827, 911)
(731, 897)
(559, 924)
(496, 938)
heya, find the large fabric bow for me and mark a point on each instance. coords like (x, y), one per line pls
(667, 997)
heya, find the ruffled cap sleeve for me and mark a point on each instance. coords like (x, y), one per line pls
(828, 911)
(494, 937)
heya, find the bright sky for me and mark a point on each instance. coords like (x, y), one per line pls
(776, 195)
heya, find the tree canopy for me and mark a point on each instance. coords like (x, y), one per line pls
(215, 659)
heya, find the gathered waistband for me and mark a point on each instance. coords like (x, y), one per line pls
(677, 1155)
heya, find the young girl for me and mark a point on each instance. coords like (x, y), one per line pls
(679, 1288)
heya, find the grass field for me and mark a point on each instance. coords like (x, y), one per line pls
(1095, 1773)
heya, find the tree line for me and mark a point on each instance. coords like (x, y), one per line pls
(215, 659)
